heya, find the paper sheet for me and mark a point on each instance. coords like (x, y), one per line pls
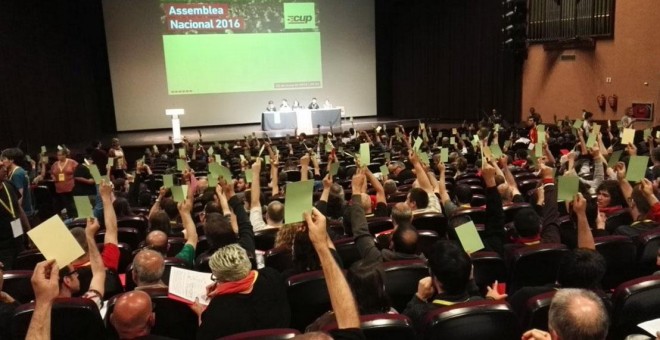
(298, 199)
(384, 170)
(444, 155)
(365, 154)
(652, 327)
(567, 188)
(334, 168)
(168, 181)
(591, 141)
(94, 171)
(179, 193)
(637, 166)
(418, 144)
(83, 206)
(496, 150)
(182, 152)
(248, 176)
(189, 285)
(55, 241)
(469, 236)
(628, 136)
(181, 165)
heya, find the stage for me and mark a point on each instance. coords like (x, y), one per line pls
(235, 132)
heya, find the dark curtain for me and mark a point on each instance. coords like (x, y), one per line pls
(441, 60)
(54, 77)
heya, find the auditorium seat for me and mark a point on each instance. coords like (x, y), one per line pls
(488, 266)
(618, 219)
(535, 265)
(174, 245)
(72, 318)
(431, 221)
(620, 253)
(174, 318)
(347, 250)
(278, 258)
(470, 181)
(648, 244)
(523, 176)
(125, 255)
(264, 334)
(634, 302)
(528, 185)
(138, 222)
(397, 197)
(402, 279)
(425, 241)
(477, 214)
(476, 320)
(536, 311)
(265, 239)
(308, 298)
(17, 284)
(511, 210)
(379, 224)
(28, 259)
(382, 327)
(130, 236)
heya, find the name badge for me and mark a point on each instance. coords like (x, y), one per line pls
(60, 177)
(16, 228)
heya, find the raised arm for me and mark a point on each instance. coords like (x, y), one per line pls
(109, 215)
(97, 285)
(585, 237)
(45, 283)
(363, 239)
(156, 206)
(245, 231)
(550, 219)
(375, 183)
(274, 175)
(341, 297)
(304, 167)
(420, 173)
(185, 209)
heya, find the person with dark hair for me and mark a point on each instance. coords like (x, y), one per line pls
(588, 118)
(62, 173)
(18, 177)
(575, 314)
(160, 221)
(463, 197)
(122, 208)
(84, 183)
(271, 106)
(314, 105)
(403, 245)
(644, 208)
(367, 282)
(422, 198)
(610, 201)
(532, 122)
(450, 268)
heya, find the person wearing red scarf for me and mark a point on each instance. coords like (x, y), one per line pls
(242, 299)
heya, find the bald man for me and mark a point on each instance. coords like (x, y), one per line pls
(148, 268)
(574, 314)
(133, 316)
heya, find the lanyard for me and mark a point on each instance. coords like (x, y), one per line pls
(9, 208)
(62, 167)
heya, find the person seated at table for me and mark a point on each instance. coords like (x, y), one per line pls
(296, 105)
(313, 105)
(327, 104)
(285, 105)
(271, 106)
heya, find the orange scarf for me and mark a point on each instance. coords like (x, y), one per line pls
(243, 286)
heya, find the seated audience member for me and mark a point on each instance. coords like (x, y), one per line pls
(121, 207)
(218, 229)
(367, 282)
(110, 255)
(342, 300)
(401, 215)
(403, 245)
(160, 221)
(574, 314)
(610, 201)
(644, 208)
(463, 195)
(422, 198)
(148, 268)
(379, 209)
(133, 316)
(69, 283)
(390, 187)
(157, 239)
(274, 212)
(7, 307)
(450, 268)
(242, 299)
(399, 173)
(581, 268)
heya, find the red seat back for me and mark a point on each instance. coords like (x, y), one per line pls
(477, 320)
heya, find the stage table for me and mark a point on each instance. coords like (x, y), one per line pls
(305, 120)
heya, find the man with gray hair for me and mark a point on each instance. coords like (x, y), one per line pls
(575, 314)
(148, 268)
(242, 299)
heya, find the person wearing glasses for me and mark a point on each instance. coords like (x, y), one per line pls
(7, 307)
(68, 275)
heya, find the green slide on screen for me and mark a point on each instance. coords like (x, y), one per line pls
(225, 63)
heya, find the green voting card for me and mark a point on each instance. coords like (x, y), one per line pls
(578, 124)
(181, 164)
(591, 141)
(540, 130)
(418, 144)
(43, 149)
(334, 168)
(614, 158)
(637, 168)
(248, 175)
(538, 150)
(225, 173)
(384, 170)
(298, 199)
(267, 159)
(424, 158)
(365, 154)
(568, 187)
(179, 193)
(444, 155)
(210, 151)
(213, 180)
(218, 158)
(182, 152)
(628, 136)
(215, 168)
(168, 181)
(388, 156)
(469, 236)
(452, 141)
(496, 150)
(94, 171)
(647, 133)
(83, 206)
(328, 146)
